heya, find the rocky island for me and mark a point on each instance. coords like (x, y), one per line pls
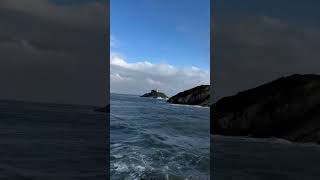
(287, 108)
(155, 94)
(199, 95)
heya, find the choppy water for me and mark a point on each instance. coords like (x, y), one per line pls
(50, 141)
(152, 139)
(240, 158)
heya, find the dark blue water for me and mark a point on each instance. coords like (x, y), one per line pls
(240, 158)
(49, 141)
(152, 139)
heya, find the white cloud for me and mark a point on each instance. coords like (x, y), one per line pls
(118, 77)
(153, 82)
(142, 76)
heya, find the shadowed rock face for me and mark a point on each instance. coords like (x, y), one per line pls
(199, 95)
(286, 108)
(155, 94)
(105, 109)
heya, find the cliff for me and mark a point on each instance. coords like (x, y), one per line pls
(199, 95)
(287, 108)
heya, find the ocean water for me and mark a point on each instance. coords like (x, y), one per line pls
(50, 141)
(241, 158)
(153, 140)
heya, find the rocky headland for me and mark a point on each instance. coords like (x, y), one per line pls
(199, 95)
(287, 108)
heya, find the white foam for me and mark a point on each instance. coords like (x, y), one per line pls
(121, 167)
(139, 168)
(279, 141)
(187, 105)
(117, 156)
(115, 145)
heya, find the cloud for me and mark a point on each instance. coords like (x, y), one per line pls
(117, 77)
(154, 82)
(83, 15)
(53, 53)
(250, 51)
(140, 77)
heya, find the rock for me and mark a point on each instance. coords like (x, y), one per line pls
(287, 108)
(155, 94)
(199, 95)
(105, 109)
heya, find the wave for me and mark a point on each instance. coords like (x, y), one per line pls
(162, 98)
(150, 139)
(141, 167)
(162, 160)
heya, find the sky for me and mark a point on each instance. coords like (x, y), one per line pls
(255, 42)
(163, 44)
(54, 51)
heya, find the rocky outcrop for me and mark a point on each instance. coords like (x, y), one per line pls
(287, 108)
(155, 94)
(105, 109)
(199, 95)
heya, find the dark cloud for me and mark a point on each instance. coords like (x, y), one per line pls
(251, 50)
(54, 53)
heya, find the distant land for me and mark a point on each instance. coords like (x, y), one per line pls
(287, 108)
(199, 95)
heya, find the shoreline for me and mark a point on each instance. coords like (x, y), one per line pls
(271, 140)
(188, 105)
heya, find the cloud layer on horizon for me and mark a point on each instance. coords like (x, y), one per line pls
(140, 77)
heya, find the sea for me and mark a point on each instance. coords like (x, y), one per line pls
(151, 139)
(52, 141)
(245, 158)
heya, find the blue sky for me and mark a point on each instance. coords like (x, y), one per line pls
(162, 31)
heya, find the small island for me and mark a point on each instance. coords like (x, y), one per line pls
(199, 95)
(155, 94)
(287, 108)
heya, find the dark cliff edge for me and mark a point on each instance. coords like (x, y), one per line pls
(155, 94)
(287, 108)
(105, 109)
(199, 95)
